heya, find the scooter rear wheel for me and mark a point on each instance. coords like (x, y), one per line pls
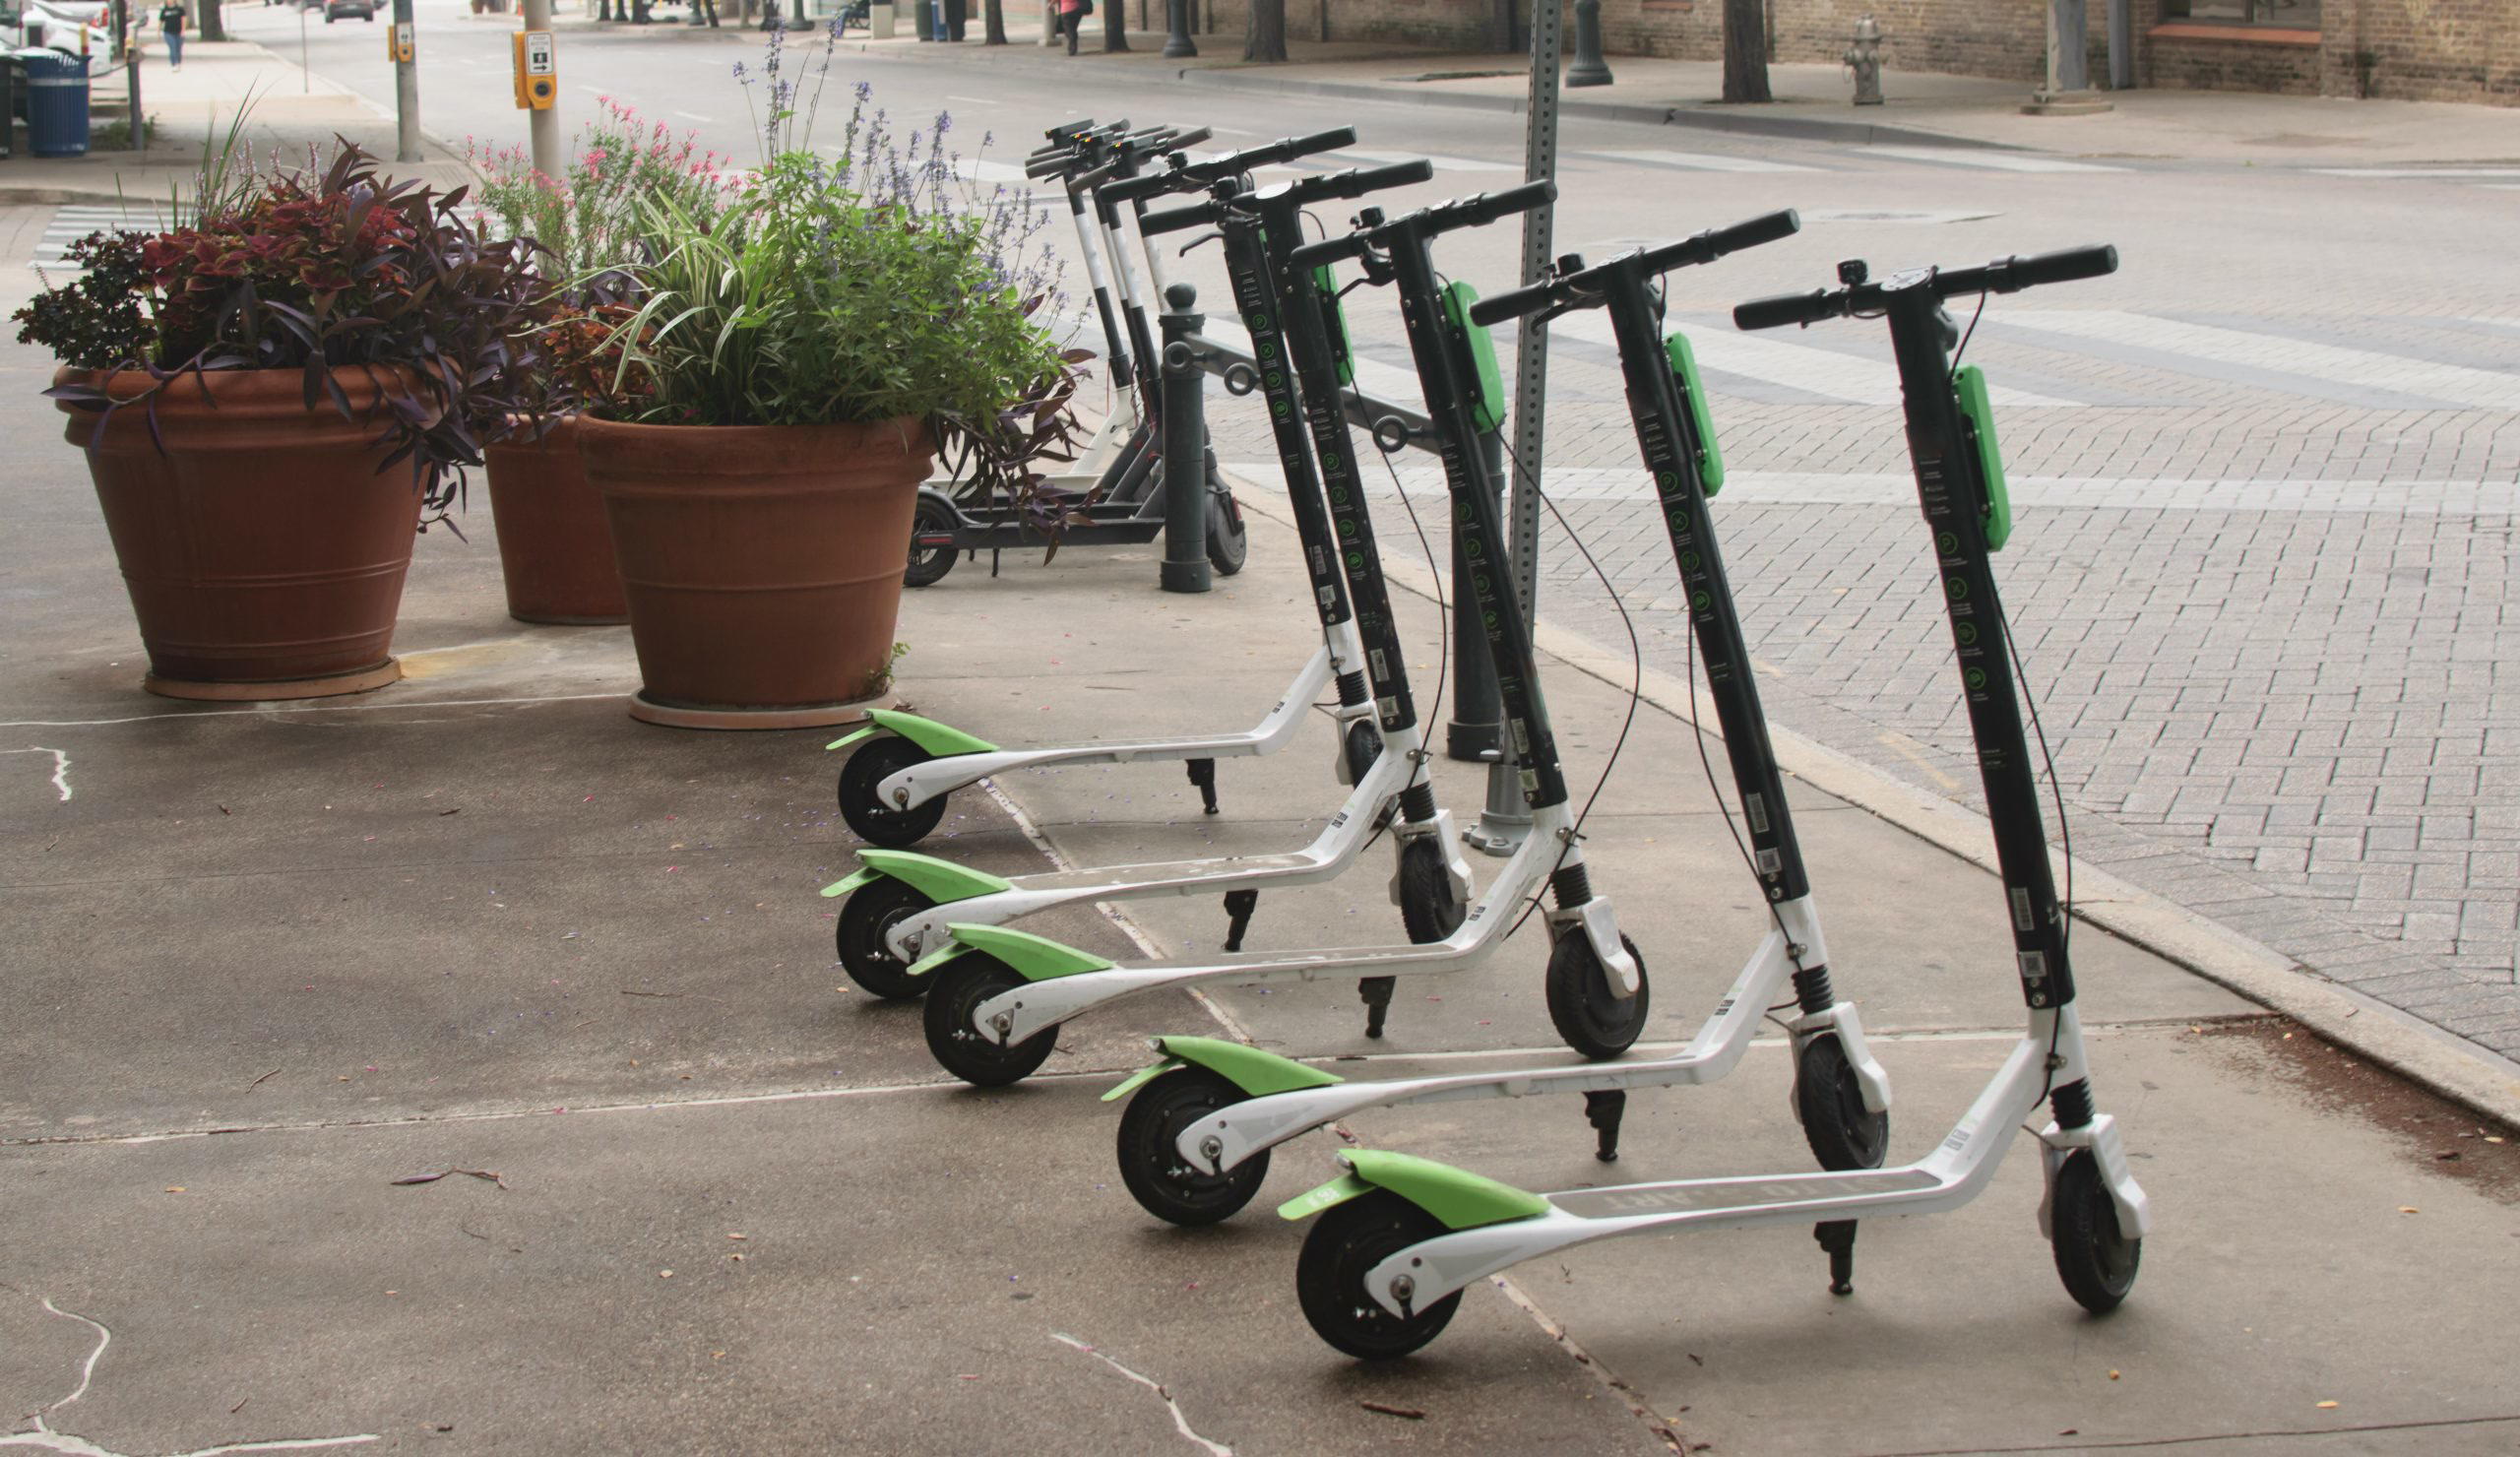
(2094, 1257)
(961, 1049)
(1843, 1133)
(1229, 543)
(1430, 906)
(1344, 1246)
(865, 917)
(930, 565)
(1588, 1013)
(1166, 1184)
(876, 822)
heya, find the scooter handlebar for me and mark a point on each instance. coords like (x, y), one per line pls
(1329, 251)
(1789, 308)
(1487, 207)
(1269, 154)
(1515, 303)
(1174, 220)
(2063, 266)
(1715, 242)
(1356, 182)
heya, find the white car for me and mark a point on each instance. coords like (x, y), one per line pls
(75, 28)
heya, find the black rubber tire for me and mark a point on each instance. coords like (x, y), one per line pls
(928, 566)
(1843, 1133)
(2094, 1257)
(1429, 906)
(875, 822)
(962, 984)
(1361, 747)
(1228, 540)
(870, 910)
(1330, 1277)
(1151, 1163)
(1591, 1020)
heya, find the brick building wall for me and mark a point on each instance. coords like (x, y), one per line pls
(2445, 51)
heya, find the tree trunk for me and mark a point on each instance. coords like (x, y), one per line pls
(1745, 52)
(1266, 38)
(213, 26)
(993, 19)
(1116, 25)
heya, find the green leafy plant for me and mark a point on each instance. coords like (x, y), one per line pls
(873, 285)
(313, 271)
(586, 219)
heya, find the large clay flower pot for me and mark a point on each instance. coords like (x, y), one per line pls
(554, 546)
(264, 550)
(763, 563)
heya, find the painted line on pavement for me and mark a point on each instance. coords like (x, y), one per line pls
(1701, 162)
(2360, 372)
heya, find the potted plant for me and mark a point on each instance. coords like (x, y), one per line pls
(271, 397)
(555, 551)
(804, 345)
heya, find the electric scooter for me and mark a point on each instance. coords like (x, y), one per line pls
(899, 904)
(1001, 995)
(894, 785)
(1194, 1142)
(1116, 497)
(1400, 1237)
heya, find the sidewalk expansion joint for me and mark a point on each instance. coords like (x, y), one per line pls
(1180, 1422)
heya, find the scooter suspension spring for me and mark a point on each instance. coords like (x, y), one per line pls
(1571, 885)
(1811, 988)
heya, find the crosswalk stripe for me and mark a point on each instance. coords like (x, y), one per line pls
(1702, 161)
(1333, 162)
(2454, 172)
(1996, 161)
(2358, 369)
(1842, 379)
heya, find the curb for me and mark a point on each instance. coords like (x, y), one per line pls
(1742, 123)
(2439, 1062)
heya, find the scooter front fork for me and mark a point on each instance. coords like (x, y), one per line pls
(1576, 905)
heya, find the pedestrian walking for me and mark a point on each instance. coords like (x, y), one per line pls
(170, 23)
(1072, 14)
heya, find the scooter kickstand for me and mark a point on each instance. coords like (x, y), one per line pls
(1604, 1110)
(1239, 905)
(1376, 992)
(1837, 1236)
(1203, 775)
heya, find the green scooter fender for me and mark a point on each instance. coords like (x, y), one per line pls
(942, 881)
(940, 739)
(1456, 1197)
(1033, 958)
(1256, 1072)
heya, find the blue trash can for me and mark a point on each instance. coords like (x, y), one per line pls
(56, 103)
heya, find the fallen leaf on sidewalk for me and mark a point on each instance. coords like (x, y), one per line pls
(174, 1188)
(421, 1178)
(2409, 1209)
(2327, 1406)
(1411, 1413)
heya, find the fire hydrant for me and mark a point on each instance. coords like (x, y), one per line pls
(1864, 57)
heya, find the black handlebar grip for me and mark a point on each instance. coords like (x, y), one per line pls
(2060, 267)
(1327, 251)
(1361, 180)
(1269, 154)
(1191, 137)
(1085, 182)
(1786, 309)
(1487, 207)
(1069, 128)
(1329, 141)
(1174, 220)
(1514, 303)
(1153, 184)
(1715, 242)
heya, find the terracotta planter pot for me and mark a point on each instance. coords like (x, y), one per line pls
(554, 546)
(763, 563)
(263, 550)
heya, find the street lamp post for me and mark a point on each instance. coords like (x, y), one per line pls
(1588, 68)
(406, 84)
(542, 123)
(1177, 14)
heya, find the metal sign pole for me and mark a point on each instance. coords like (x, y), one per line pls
(1506, 818)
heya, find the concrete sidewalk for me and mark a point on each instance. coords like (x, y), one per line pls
(1815, 101)
(287, 110)
(269, 962)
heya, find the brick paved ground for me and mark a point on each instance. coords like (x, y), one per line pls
(2260, 580)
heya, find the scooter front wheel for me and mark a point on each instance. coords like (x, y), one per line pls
(1166, 1184)
(1229, 543)
(1345, 1246)
(1584, 1003)
(1431, 905)
(875, 821)
(2094, 1257)
(1843, 1133)
(930, 520)
(866, 918)
(962, 1048)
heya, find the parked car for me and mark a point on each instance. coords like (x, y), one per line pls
(334, 10)
(74, 27)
